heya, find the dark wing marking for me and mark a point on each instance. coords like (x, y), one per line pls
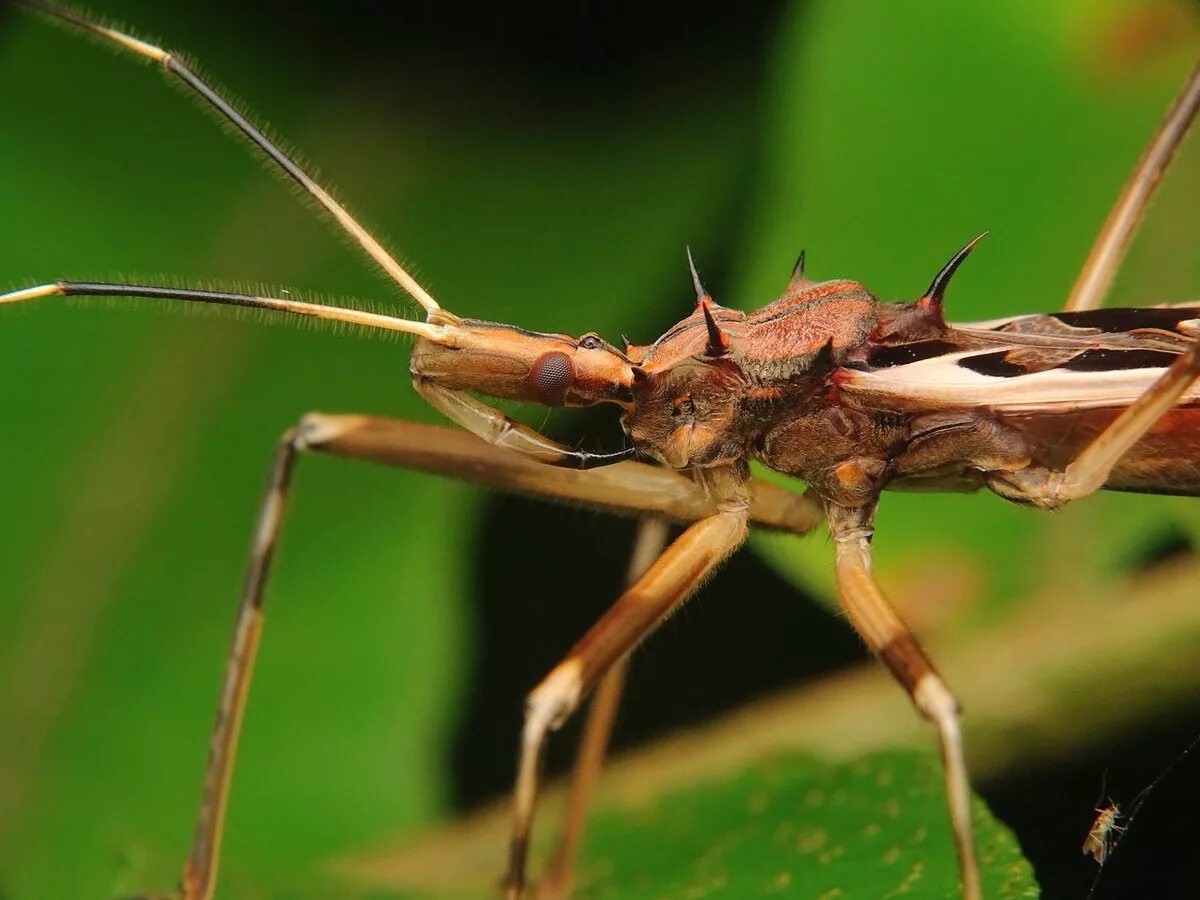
(1155, 328)
(883, 357)
(1016, 378)
(1113, 360)
(994, 364)
(1026, 361)
(1162, 318)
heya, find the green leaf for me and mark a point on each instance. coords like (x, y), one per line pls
(797, 826)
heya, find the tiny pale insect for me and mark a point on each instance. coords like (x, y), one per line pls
(1111, 823)
(1104, 831)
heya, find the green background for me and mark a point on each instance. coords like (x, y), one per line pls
(880, 136)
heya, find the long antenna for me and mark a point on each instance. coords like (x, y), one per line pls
(177, 67)
(434, 332)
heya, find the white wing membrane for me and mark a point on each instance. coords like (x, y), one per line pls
(942, 380)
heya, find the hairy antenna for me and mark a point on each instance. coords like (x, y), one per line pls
(178, 68)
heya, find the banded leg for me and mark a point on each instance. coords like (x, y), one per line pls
(889, 638)
(199, 874)
(628, 487)
(559, 877)
(1091, 468)
(1113, 240)
(665, 585)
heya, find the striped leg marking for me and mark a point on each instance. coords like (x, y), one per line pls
(886, 634)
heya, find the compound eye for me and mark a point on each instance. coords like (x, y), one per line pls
(550, 376)
(590, 342)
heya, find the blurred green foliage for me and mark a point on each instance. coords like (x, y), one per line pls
(797, 827)
(135, 443)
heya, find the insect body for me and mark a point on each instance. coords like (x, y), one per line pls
(1103, 833)
(827, 383)
(1107, 831)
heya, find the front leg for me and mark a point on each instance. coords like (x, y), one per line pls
(499, 430)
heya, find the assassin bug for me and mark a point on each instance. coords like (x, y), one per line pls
(828, 384)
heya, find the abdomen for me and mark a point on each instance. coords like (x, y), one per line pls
(1165, 461)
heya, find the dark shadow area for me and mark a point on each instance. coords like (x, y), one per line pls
(1167, 545)
(1051, 808)
(540, 53)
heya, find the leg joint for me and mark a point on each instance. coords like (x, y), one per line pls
(551, 702)
(935, 701)
(317, 429)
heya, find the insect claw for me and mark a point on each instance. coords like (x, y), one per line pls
(933, 296)
(701, 293)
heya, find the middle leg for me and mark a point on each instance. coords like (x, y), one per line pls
(889, 638)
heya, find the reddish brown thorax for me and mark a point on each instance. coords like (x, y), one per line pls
(707, 391)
